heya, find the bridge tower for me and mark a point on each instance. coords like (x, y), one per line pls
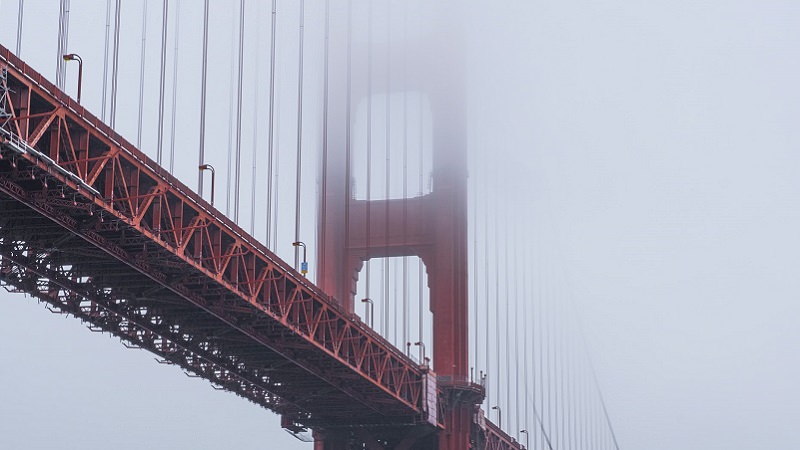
(432, 226)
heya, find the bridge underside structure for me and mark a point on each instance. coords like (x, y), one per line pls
(94, 228)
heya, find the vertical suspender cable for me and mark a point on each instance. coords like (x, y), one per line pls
(231, 99)
(563, 377)
(240, 74)
(567, 373)
(298, 177)
(256, 97)
(576, 393)
(203, 88)
(369, 161)
(20, 10)
(174, 86)
(498, 377)
(406, 330)
(59, 50)
(271, 144)
(554, 355)
(581, 404)
(474, 256)
(548, 329)
(324, 189)
(141, 75)
(65, 45)
(421, 305)
(595, 443)
(506, 300)
(162, 73)
(63, 41)
(586, 413)
(388, 157)
(487, 182)
(348, 127)
(553, 351)
(527, 347)
(604, 410)
(558, 356)
(105, 61)
(540, 326)
(115, 65)
(276, 192)
(574, 401)
(516, 358)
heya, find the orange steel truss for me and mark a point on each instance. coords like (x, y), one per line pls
(156, 245)
(94, 228)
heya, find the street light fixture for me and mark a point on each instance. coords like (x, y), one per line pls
(75, 57)
(527, 438)
(499, 416)
(369, 310)
(421, 346)
(304, 264)
(211, 168)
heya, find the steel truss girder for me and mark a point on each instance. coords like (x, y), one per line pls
(65, 165)
(136, 326)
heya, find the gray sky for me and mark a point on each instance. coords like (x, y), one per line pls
(651, 151)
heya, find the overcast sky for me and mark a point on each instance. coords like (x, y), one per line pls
(653, 151)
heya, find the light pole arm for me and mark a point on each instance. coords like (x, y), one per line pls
(213, 175)
(76, 57)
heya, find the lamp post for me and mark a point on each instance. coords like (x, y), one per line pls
(499, 416)
(369, 310)
(527, 438)
(211, 168)
(75, 57)
(421, 346)
(304, 264)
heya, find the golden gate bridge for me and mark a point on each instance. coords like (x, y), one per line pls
(96, 227)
